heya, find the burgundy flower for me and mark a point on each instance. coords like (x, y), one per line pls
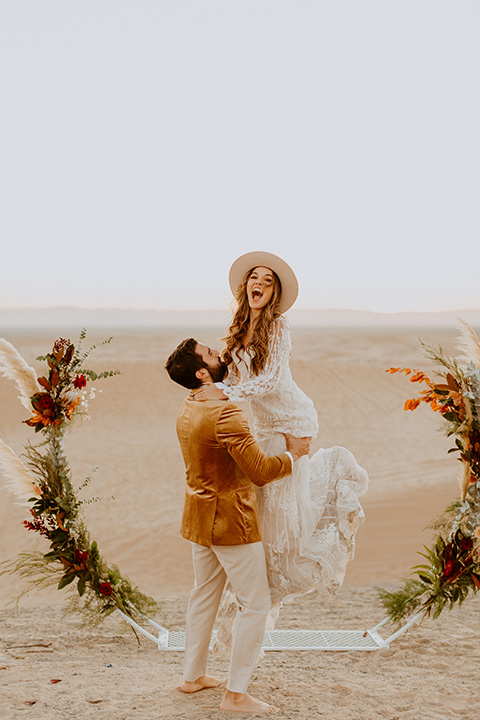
(46, 402)
(105, 588)
(79, 382)
(466, 543)
(80, 556)
(42, 402)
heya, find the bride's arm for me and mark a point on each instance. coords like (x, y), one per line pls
(214, 391)
(231, 377)
(278, 351)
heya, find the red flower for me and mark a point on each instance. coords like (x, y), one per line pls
(80, 556)
(42, 402)
(79, 382)
(105, 588)
(466, 543)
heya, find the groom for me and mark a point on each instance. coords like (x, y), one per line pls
(223, 463)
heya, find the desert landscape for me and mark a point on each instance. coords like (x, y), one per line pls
(429, 673)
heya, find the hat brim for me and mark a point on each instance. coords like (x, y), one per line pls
(251, 260)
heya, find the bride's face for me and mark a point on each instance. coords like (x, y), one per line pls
(260, 287)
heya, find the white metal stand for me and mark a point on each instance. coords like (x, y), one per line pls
(174, 640)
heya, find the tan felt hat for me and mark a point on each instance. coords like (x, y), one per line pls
(266, 259)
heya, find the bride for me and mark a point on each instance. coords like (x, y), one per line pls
(310, 518)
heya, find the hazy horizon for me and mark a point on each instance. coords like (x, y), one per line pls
(59, 318)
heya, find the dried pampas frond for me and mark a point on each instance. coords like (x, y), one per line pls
(18, 479)
(14, 367)
(469, 344)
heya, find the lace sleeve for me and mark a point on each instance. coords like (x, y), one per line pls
(278, 351)
(231, 376)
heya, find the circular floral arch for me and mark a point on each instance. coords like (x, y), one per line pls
(44, 483)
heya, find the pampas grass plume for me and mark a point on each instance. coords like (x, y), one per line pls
(469, 344)
(17, 478)
(14, 367)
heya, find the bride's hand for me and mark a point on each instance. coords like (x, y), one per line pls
(209, 391)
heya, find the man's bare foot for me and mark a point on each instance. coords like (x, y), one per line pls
(200, 683)
(243, 702)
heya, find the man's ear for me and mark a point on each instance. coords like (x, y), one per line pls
(203, 375)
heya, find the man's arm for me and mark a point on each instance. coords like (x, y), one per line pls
(233, 433)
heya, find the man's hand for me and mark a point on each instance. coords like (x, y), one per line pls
(298, 446)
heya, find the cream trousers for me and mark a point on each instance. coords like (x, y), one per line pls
(244, 566)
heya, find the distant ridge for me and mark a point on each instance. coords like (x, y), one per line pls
(363, 318)
(131, 319)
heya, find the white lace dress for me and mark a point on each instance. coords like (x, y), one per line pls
(308, 519)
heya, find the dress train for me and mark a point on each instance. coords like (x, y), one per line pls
(309, 520)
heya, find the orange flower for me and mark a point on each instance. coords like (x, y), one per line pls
(457, 398)
(392, 370)
(71, 409)
(419, 376)
(36, 419)
(412, 404)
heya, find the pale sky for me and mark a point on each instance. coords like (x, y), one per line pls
(145, 144)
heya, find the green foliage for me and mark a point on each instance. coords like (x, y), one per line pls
(447, 365)
(403, 602)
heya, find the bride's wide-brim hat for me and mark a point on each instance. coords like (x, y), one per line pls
(287, 277)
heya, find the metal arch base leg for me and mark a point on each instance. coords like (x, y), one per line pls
(161, 639)
(415, 618)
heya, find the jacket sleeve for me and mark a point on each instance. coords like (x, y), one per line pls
(279, 346)
(233, 433)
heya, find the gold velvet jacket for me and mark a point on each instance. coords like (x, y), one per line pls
(223, 464)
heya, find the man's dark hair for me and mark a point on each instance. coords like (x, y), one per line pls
(183, 363)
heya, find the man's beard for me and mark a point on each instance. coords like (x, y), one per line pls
(218, 372)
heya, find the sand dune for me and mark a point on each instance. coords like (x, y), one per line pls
(131, 439)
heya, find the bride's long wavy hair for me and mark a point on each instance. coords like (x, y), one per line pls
(258, 346)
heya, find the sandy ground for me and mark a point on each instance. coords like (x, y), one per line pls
(431, 672)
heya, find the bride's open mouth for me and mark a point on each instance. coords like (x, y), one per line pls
(257, 295)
